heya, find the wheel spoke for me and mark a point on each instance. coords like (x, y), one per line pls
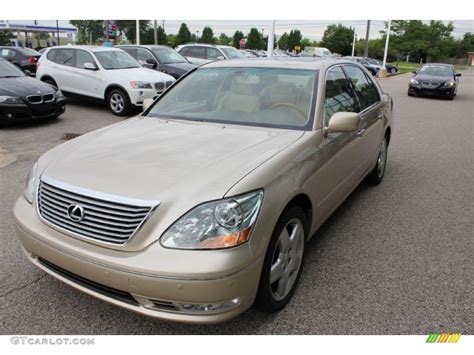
(282, 285)
(295, 236)
(276, 271)
(284, 240)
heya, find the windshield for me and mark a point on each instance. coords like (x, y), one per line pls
(8, 70)
(438, 70)
(232, 53)
(168, 56)
(267, 97)
(116, 60)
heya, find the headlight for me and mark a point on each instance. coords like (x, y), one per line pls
(414, 81)
(10, 100)
(141, 85)
(214, 225)
(59, 94)
(31, 183)
(449, 83)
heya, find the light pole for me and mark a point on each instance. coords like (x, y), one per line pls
(197, 36)
(271, 37)
(137, 24)
(353, 42)
(155, 32)
(383, 70)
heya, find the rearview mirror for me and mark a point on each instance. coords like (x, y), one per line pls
(90, 66)
(151, 63)
(344, 122)
(458, 74)
(147, 103)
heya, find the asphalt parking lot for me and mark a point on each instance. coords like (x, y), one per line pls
(393, 259)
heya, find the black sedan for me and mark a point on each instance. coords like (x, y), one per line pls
(435, 80)
(161, 58)
(25, 98)
(23, 58)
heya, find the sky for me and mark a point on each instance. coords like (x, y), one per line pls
(311, 29)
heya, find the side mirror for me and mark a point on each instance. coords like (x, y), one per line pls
(27, 72)
(221, 57)
(458, 74)
(151, 63)
(344, 122)
(147, 103)
(90, 66)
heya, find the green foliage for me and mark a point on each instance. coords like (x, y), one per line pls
(5, 38)
(255, 40)
(238, 35)
(171, 40)
(224, 39)
(338, 39)
(183, 36)
(283, 41)
(306, 42)
(294, 39)
(207, 36)
(88, 31)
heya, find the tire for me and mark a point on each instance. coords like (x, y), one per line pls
(287, 251)
(119, 102)
(410, 94)
(376, 176)
(393, 71)
(50, 81)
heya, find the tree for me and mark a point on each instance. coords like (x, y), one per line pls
(207, 35)
(5, 38)
(224, 39)
(88, 31)
(184, 35)
(129, 28)
(283, 41)
(254, 39)
(171, 40)
(306, 42)
(162, 39)
(294, 39)
(338, 39)
(238, 35)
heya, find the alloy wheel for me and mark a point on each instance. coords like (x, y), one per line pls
(117, 103)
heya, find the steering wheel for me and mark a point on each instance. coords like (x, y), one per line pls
(292, 106)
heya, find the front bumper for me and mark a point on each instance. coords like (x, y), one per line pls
(24, 112)
(443, 91)
(147, 293)
(137, 96)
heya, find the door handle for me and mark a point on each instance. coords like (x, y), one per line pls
(360, 132)
(380, 115)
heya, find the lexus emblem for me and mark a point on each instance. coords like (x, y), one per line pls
(75, 213)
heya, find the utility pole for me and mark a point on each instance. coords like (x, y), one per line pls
(155, 32)
(138, 31)
(367, 33)
(271, 37)
(353, 42)
(386, 44)
(57, 32)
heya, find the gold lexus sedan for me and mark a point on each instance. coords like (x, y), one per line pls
(202, 206)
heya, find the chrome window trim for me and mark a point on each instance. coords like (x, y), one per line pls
(152, 204)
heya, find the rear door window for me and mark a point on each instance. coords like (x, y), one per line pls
(197, 52)
(65, 57)
(83, 57)
(213, 53)
(130, 50)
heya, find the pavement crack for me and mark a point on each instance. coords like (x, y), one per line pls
(15, 289)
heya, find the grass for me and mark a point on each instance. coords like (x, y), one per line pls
(404, 67)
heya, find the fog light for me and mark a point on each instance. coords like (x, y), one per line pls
(140, 93)
(9, 115)
(208, 308)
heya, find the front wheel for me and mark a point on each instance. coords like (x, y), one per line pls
(376, 176)
(283, 261)
(119, 102)
(393, 70)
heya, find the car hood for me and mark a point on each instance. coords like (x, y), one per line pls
(179, 67)
(23, 86)
(139, 74)
(154, 159)
(437, 78)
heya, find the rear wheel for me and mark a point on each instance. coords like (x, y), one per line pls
(119, 102)
(283, 261)
(376, 176)
(393, 70)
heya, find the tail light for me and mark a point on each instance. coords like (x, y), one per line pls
(32, 60)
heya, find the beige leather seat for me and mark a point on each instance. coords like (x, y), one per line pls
(242, 97)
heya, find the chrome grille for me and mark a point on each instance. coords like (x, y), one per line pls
(102, 219)
(39, 99)
(430, 83)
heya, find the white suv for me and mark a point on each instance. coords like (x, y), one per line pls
(102, 73)
(204, 53)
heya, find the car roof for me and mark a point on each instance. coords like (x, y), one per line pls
(90, 48)
(438, 64)
(149, 46)
(278, 62)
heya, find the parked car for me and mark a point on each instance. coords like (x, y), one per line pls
(24, 98)
(161, 58)
(391, 69)
(23, 58)
(280, 53)
(101, 73)
(201, 53)
(248, 53)
(321, 52)
(372, 68)
(202, 206)
(435, 80)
